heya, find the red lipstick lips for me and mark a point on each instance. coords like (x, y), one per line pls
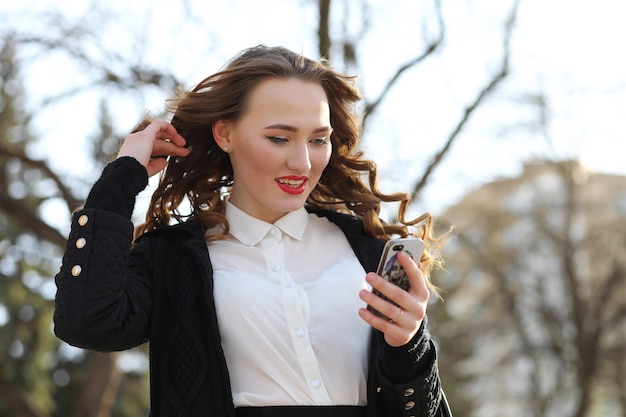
(292, 184)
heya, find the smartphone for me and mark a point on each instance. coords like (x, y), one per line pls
(390, 269)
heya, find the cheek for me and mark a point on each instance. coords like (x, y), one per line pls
(254, 164)
(257, 161)
(320, 160)
(249, 151)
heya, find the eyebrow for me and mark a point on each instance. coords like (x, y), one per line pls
(295, 129)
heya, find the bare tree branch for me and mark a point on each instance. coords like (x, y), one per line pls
(98, 386)
(488, 263)
(24, 215)
(351, 41)
(323, 30)
(469, 110)
(134, 76)
(28, 220)
(610, 292)
(71, 201)
(433, 46)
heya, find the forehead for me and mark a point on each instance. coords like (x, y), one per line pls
(274, 94)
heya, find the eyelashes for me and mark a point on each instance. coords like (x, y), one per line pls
(280, 140)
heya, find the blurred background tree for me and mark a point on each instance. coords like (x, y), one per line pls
(532, 313)
(536, 315)
(27, 347)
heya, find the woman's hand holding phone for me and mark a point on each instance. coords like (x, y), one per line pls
(396, 312)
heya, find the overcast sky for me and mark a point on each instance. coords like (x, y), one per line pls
(570, 51)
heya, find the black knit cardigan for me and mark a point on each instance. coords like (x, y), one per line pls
(112, 296)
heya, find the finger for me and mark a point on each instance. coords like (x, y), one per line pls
(163, 148)
(385, 289)
(396, 334)
(160, 129)
(377, 322)
(389, 290)
(158, 139)
(417, 281)
(397, 317)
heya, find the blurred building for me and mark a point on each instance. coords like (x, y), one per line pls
(534, 316)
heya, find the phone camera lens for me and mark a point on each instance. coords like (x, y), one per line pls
(398, 247)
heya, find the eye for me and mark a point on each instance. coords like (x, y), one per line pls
(277, 139)
(319, 141)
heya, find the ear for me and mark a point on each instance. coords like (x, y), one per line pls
(221, 133)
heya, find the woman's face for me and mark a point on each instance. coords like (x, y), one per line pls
(396, 273)
(279, 147)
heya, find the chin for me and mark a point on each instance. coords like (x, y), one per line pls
(291, 206)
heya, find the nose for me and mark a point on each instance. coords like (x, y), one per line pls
(299, 159)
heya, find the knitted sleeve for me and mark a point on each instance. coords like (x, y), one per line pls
(103, 298)
(117, 187)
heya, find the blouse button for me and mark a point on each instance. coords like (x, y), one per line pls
(80, 243)
(276, 268)
(408, 392)
(315, 383)
(76, 270)
(299, 331)
(409, 405)
(82, 220)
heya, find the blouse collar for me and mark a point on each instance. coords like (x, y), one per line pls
(250, 230)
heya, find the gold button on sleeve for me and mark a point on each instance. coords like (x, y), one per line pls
(76, 270)
(82, 220)
(408, 392)
(409, 405)
(81, 243)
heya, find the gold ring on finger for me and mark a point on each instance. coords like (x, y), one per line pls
(397, 319)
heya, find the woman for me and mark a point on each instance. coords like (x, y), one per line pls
(247, 277)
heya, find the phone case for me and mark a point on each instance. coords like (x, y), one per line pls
(390, 269)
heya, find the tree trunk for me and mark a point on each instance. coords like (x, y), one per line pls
(98, 386)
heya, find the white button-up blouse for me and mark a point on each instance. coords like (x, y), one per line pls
(287, 303)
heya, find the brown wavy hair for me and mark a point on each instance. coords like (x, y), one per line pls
(203, 178)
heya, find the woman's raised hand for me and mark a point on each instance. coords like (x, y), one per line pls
(408, 315)
(152, 145)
